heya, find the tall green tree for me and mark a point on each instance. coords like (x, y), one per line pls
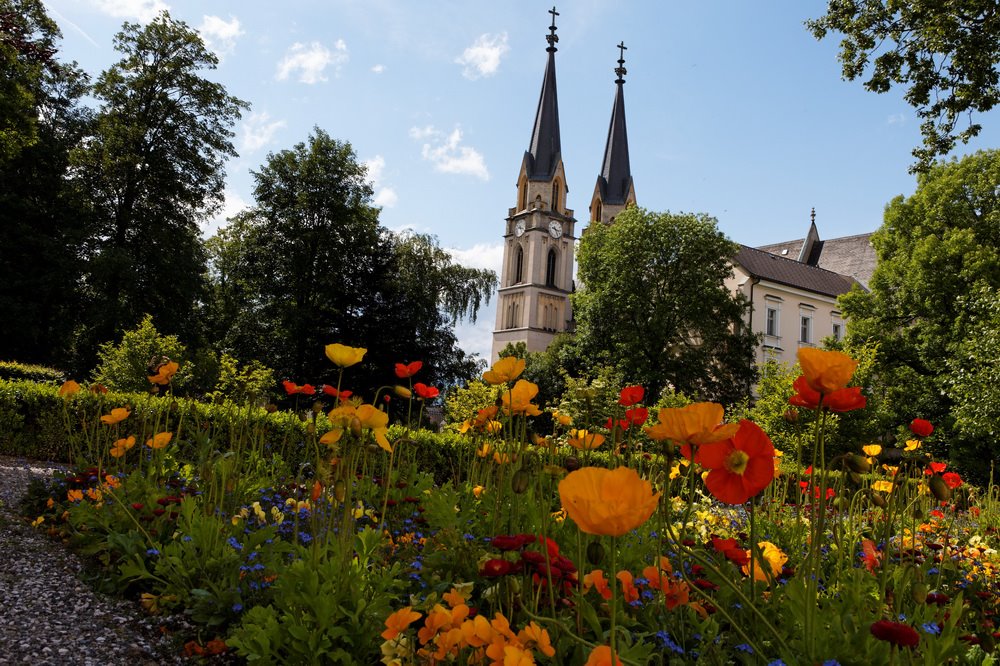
(43, 221)
(309, 265)
(152, 170)
(935, 249)
(654, 304)
(944, 53)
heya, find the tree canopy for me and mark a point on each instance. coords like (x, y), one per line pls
(945, 53)
(654, 304)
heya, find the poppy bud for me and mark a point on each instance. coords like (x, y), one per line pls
(340, 490)
(270, 408)
(317, 407)
(855, 478)
(402, 391)
(520, 481)
(858, 463)
(595, 553)
(878, 500)
(311, 428)
(572, 463)
(939, 488)
(792, 415)
(355, 426)
(918, 591)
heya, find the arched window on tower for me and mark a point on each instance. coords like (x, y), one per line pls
(523, 195)
(518, 265)
(597, 210)
(550, 269)
(555, 194)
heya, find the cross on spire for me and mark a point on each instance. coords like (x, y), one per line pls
(620, 70)
(552, 37)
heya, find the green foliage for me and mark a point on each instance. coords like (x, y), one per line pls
(251, 383)
(946, 56)
(461, 403)
(935, 250)
(656, 306)
(126, 366)
(12, 370)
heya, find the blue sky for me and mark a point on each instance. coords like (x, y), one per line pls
(733, 108)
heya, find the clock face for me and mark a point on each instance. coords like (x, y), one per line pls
(555, 229)
(519, 228)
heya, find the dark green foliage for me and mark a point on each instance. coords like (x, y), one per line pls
(944, 53)
(654, 305)
(12, 370)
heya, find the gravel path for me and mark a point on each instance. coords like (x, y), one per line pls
(47, 615)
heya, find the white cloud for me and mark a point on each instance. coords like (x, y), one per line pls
(378, 69)
(447, 154)
(142, 10)
(258, 131)
(232, 204)
(219, 35)
(483, 57)
(478, 338)
(311, 60)
(896, 119)
(481, 255)
(385, 196)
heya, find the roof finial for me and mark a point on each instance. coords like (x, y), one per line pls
(812, 215)
(620, 69)
(552, 37)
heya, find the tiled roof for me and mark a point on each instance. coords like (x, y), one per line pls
(775, 268)
(851, 256)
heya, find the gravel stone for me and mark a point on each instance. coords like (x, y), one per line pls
(48, 616)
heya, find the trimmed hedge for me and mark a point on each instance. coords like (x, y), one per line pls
(12, 370)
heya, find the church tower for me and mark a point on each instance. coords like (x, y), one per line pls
(614, 191)
(536, 278)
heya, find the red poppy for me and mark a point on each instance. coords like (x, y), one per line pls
(896, 633)
(511, 542)
(611, 423)
(921, 428)
(408, 370)
(951, 479)
(839, 400)
(424, 391)
(631, 395)
(731, 550)
(333, 392)
(741, 466)
(636, 416)
(292, 388)
(935, 468)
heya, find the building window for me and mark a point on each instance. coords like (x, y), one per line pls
(838, 331)
(597, 210)
(523, 194)
(550, 269)
(555, 195)
(518, 265)
(772, 328)
(805, 328)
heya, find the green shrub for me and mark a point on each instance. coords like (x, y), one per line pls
(125, 366)
(35, 373)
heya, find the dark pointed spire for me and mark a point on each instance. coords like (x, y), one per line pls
(616, 172)
(545, 147)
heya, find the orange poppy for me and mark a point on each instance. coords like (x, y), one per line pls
(504, 370)
(164, 373)
(159, 440)
(698, 423)
(68, 388)
(826, 371)
(585, 441)
(601, 656)
(518, 399)
(840, 400)
(120, 446)
(773, 561)
(740, 467)
(607, 502)
(117, 415)
(397, 623)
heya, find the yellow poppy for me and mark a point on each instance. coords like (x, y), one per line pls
(331, 437)
(120, 446)
(882, 486)
(872, 450)
(774, 560)
(117, 415)
(585, 441)
(912, 445)
(164, 373)
(493, 427)
(506, 369)
(607, 502)
(518, 399)
(377, 421)
(159, 440)
(68, 388)
(699, 423)
(562, 419)
(826, 371)
(344, 356)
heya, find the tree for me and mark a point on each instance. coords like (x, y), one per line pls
(43, 221)
(935, 249)
(334, 275)
(152, 170)
(946, 53)
(654, 304)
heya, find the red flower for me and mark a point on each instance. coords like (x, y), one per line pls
(509, 542)
(631, 395)
(333, 392)
(898, 634)
(408, 370)
(496, 567)
(952, 480)
(425, 392)
(636, 416)
(291, 388)
(731, 550)
(741, 466)
(935, 468)
(840, 400)
(921, 428)
(611, 423)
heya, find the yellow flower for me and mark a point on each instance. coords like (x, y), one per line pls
(120, 446)
(331, 437)
(585, 441)
(774, 560)
(38, 521)
(344, 356)
(111, 481)
(562, 419)
(506, 369)
(872, 450)
(164, 373)
(882, 486)
(117, 415)
(912, 445)
(518, 399)
(700, 423)
(159, 440)
(377, 421)
(607, 502)
(477, 491)
(94, 494)
(493, 427)
(68, 388)
(826, 371)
